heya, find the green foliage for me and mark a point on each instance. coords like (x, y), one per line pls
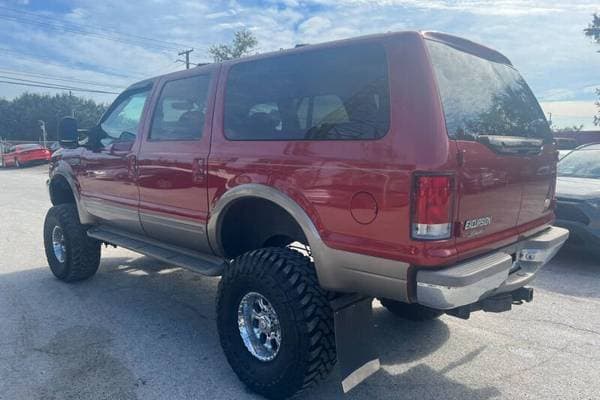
(574, 128)
(243, 43)
(593, 31)
(597, 116)
(19, 117)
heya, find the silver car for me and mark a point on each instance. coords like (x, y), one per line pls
(578, 196)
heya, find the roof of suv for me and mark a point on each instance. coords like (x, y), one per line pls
(451, 40)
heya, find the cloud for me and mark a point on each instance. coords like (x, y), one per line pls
(314, 25)
(583, 109)
(543, 38)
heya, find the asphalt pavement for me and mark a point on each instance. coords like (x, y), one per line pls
(142, 329)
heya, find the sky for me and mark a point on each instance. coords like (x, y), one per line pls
(107, 45)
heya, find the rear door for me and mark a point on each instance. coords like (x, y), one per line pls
(505, 147)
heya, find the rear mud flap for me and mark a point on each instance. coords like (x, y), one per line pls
(357, 357)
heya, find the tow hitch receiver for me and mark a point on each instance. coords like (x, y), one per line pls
(357, 357)
(496, 304)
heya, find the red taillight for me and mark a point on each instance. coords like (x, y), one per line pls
(432, 207)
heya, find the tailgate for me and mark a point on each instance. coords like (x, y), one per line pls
(506, 156)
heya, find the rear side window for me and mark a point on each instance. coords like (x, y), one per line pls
(482, 97)
(181, 109)
(332, 94)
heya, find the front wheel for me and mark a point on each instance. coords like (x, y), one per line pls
(412, 312)
(275, 322)
(71, 253)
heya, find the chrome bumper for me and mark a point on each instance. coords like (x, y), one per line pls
(492, 274)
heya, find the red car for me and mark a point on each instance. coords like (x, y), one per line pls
(413, 167)
(25, 154)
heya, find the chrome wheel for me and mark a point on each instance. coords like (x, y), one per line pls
(259, 326)
(58, 244)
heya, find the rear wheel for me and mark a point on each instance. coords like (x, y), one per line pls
(71, 253)
(275, 322)
(412, 312)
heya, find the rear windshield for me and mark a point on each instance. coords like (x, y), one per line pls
(482, 97)
(332, 94)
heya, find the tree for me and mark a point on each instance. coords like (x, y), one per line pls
(593, 31)
(243, 43)
(574, 128)
(19, 117)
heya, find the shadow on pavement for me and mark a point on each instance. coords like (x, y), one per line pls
(117, 333)
(572, 273)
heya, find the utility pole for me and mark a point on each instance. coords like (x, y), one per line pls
(44, 135)
(187, 57)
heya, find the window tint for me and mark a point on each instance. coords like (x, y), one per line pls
(124, 120)
(481, 97)
(181, 109)
(333, 94)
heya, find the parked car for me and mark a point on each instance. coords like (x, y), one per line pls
(578, 196)
(565, 146)
(413, 167)
(25, 154)
(565, 143)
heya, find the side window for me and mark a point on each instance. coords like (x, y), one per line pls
(181, 109)
(339, 93)
(328, 109)
(124, 120)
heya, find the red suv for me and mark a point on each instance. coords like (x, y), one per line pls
(413, 167)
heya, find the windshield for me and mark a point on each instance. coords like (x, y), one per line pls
(581, 164)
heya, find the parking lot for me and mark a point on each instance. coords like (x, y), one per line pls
(141, 329)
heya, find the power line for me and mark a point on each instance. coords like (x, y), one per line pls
(66, 26)
(74, 89)
(59, 78)
(39, 59)
(37, 82)
(102, 29)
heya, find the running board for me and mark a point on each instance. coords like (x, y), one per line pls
(184, 258)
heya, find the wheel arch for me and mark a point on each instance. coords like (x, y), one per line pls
(256, 199)
(63, 189)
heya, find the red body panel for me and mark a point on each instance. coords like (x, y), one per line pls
(324, 177)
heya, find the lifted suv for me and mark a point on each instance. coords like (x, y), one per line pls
(413, 167)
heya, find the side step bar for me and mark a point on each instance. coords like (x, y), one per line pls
(184, 258)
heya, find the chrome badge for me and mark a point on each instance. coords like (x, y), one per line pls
(477, 223)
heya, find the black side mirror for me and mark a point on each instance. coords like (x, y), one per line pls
(67, 132)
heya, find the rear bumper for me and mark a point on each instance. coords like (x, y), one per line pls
(499, 272)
